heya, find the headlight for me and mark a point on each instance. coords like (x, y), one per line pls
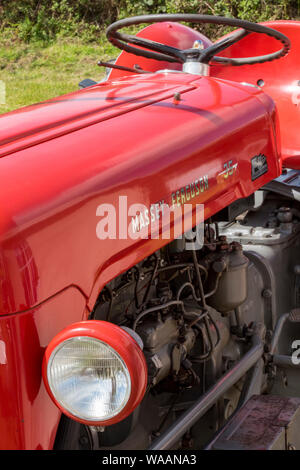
(95, 372)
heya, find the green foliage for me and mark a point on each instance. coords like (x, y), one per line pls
(251, 10)
(143, 7)
(45, 20)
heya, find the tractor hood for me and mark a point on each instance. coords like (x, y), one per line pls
(147, 140)
(43, 121)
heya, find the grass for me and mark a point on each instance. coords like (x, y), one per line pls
(35, 72)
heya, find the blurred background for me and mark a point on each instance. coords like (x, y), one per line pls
(48, 46)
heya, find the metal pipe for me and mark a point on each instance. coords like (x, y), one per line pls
(238, 316)
(284, 361)
(252, 385)
(201, 406)
(278, 329)
(156, 309)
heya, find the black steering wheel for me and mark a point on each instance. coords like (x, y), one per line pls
(158, 51)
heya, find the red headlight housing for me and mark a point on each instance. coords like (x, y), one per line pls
(95, 372)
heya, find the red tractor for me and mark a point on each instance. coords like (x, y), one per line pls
(150, 249)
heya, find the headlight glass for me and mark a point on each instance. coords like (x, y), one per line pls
(88, 378)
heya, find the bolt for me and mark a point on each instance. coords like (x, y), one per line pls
(83, 441)
(266, 293)
(177, 97)
(269, 335)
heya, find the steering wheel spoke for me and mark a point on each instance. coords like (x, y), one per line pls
(142, 52)
(219, 46)
(152, 45)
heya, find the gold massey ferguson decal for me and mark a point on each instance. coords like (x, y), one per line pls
(147, 216)
(151, 215)
(229, 169)
(190, 191)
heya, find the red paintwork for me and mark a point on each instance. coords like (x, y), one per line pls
(59, 161)
(281, 77)
(125, 346)
(28, 417)
(54, 189)
(73, 175)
